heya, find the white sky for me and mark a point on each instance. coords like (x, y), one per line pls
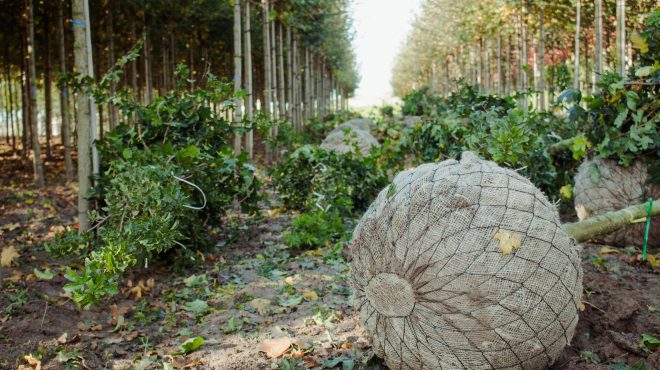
(380, 28)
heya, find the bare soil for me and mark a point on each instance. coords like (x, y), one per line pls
(254, 290)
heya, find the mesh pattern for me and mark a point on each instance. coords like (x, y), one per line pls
(364, 124)
(602, 185)
(434, 289)
(339, 141)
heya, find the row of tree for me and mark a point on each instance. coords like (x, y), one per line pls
(293, 58)
(518, 45)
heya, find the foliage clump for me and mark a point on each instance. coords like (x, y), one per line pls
(165, 178)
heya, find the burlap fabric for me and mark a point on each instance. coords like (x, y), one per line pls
(364, 124)
(463, 264)
(343, 138)
(602, 185)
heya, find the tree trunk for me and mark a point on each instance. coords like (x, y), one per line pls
(610, 221)
(25, 101)
(249, 105)
(238, 67)
(598, 53)
(621, 37)
(32, 91)
(273, 69)
(47, 89)
(85, 129)
(64, 97)
(147, 60)
(576, 72)
(289, 76)
(267, 64)
(112, 111)
(10, 101)
(500, 85)
(525, 57)
(541, 83)
(134, 67)
(280, 61)
(164, 67)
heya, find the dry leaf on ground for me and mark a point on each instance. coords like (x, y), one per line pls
(274, 348)
(9, 254)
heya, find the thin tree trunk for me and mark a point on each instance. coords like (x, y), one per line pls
(47, 89)
(576, 72)
(525, 57)
(249, 106)
(37, 163)
(308, 86)
(273, 69)
(147, 60)
(587, 66)
(509, 67)
(267, 64)
(238, 67)
(64, 97)
(621, 36)
(541, 83)
(10, 101)
(25, 101)
(85, 130)
(289, 77)
(500, 85)
(598, 53)
(164, 67)
(280, 62)
(112, 111)
(134, 67)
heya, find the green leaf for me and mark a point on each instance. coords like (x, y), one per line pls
(649, 343)
(127, 153)
(47, 274)
(639, 43)
(620, 118)
(196, 306)
(594, 172)
(291, 301)
(194, 280)
(590, 356)
(190, 345)
(644, 71)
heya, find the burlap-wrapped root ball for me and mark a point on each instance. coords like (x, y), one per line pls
(343, 141)
(364, 124)
(602, 185)
(463, 264)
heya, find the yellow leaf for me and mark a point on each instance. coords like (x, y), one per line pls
(290, 280)
(311, 296)
(566, 191)
(33, 362)
(8, 255)
(639, 43)
(582, 307)
(608, 250)
(509, 242)
(274, 348)
(652, 260)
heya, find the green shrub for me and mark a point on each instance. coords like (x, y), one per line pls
(314, 229)
(164, 179)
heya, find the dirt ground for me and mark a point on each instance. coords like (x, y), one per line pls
(246, 292)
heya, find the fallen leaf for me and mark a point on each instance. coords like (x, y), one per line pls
(290, 280)
(190, 345)
(652, 260)
(509, 241)
(274, 348)
(8, 256)
(15, 277)
(33, 362)
(62, 338)
(582, 306)
(261, 305)
(47, 274)
(608, 250)
(311, 296)
(582, 212)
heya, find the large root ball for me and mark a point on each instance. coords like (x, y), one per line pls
(602, 185)
(463, 264)
(343, 141)
(364, 124)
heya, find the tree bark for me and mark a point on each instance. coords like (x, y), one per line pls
(47, 89)
(238, 67)
(610, 221)
(37, 162)
(85, 122)
(134, 67)
(64, 97)
(249, 105)
(598, 53)
(280, 61)
(289, 77)
(25, 100)
(273, 69)
(147, 60)
(576, 72)
(112, 111)
(621, 36)
(541, 83)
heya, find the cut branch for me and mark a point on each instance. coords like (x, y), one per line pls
(610, 221)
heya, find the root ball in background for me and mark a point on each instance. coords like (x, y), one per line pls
(464, 264)
(602, 185)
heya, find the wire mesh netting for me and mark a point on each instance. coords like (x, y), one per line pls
(602, 185)
(464, 264)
